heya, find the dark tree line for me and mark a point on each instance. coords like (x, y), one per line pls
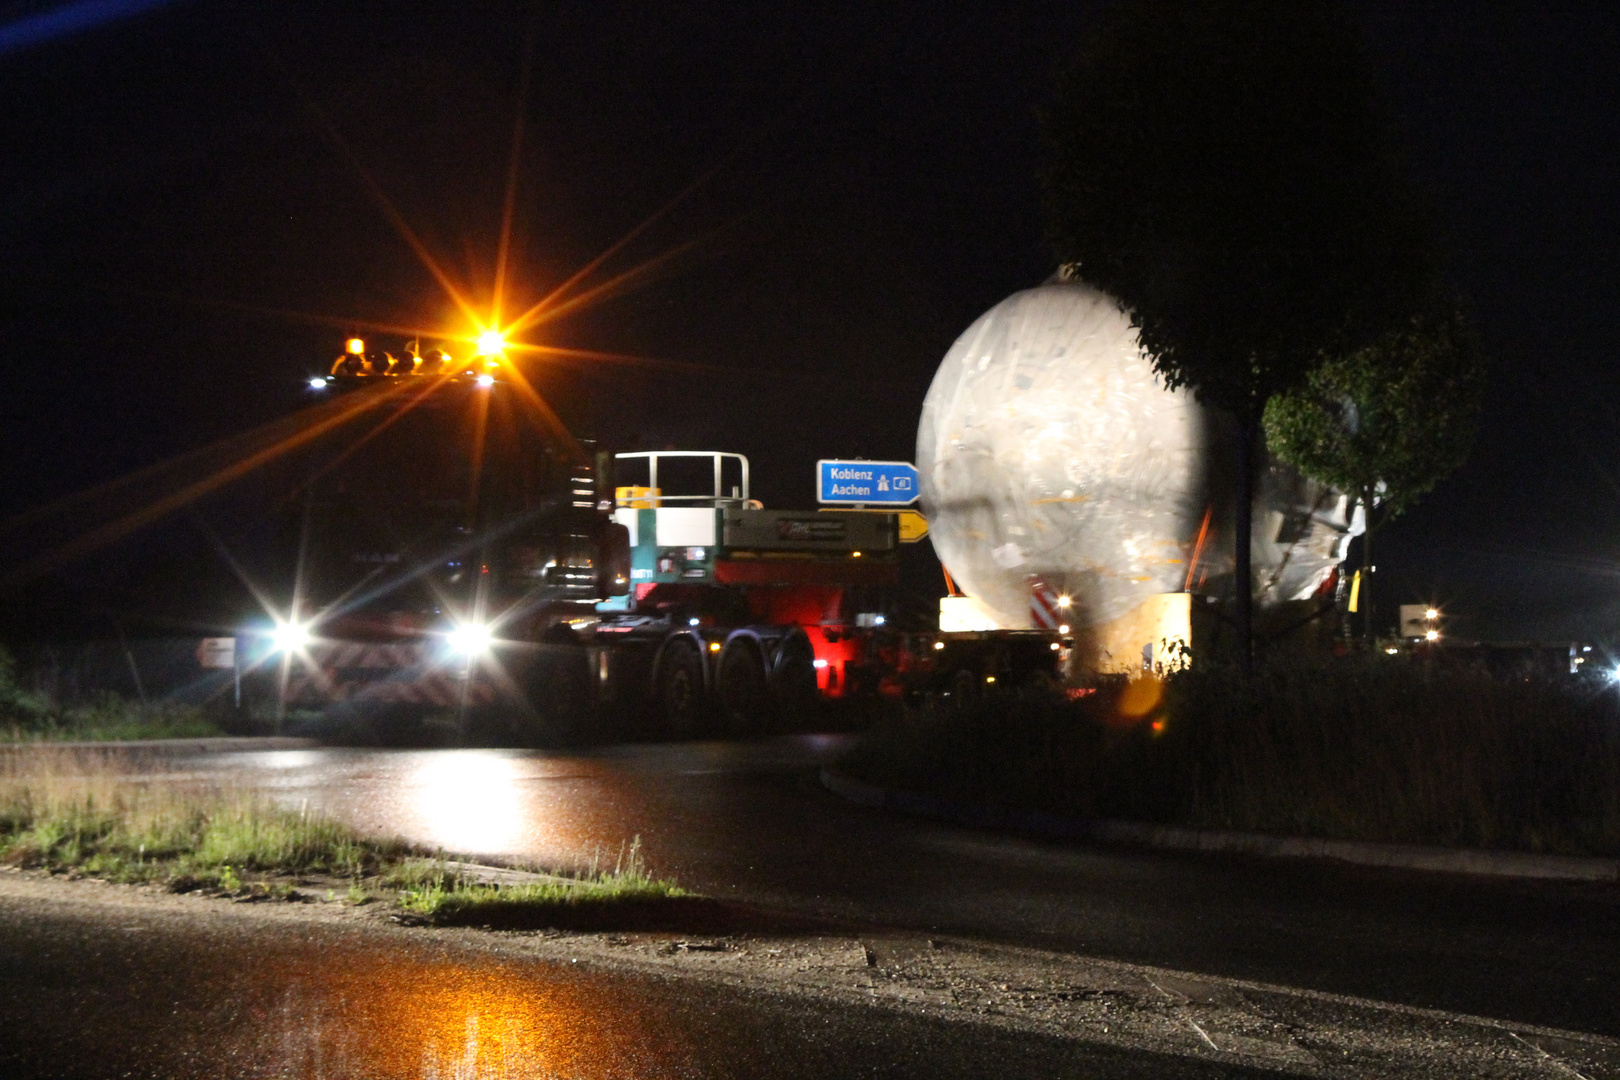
(1224, 169)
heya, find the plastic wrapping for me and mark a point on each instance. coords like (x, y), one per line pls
(1052, 456)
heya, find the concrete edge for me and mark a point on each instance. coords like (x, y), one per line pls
(1517, 864)
(486, 874)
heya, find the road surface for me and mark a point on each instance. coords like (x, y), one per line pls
(750, 821)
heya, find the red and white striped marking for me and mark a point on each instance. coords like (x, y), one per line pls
(1044, 609)
(359, 654)
(437, 689)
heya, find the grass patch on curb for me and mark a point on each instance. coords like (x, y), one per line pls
(83, 812)
(449, 898)
(1353, 750)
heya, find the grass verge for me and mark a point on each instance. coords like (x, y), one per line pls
(1357, 750)
(80, 811)
(446, 897)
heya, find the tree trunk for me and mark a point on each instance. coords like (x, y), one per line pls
(1369, 625)
(1244, 585)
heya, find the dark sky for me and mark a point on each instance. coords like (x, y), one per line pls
(872, 191)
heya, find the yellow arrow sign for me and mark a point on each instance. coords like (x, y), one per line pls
(913, 526)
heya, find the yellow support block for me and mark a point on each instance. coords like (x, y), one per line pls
(637, 498)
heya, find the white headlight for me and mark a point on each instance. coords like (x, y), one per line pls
(289, 636)
(470, 639)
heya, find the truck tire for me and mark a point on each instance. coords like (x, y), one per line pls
(680, 690)
(745, 699)
(794, 693)
(558, 693)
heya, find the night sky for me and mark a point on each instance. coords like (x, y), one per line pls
(177, 218)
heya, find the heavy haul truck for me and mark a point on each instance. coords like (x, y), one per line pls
(467, 562)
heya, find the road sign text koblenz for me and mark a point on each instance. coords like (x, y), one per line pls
(890, 483)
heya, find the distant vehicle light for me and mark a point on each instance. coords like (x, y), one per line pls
(1056, 646)
(1392, 650)
(989, 678)
(485, 381)
(693, 621)
(1064, 629)
(355, 346)
(317, 383)
(491, 343)
(854, 554)
(289, 636)
(714, 646)
(939, 644)
(470, 639)
(877, 620)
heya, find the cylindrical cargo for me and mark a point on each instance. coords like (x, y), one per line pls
(1054, 460)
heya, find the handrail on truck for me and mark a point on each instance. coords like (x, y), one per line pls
(718, 498)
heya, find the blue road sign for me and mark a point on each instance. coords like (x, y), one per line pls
(884, 483)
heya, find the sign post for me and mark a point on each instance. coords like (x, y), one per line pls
(866, 483)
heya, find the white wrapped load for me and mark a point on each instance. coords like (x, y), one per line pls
(1053, 459)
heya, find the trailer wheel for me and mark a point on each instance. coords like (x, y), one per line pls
(793, 683)
(744, 690)
(680, 689)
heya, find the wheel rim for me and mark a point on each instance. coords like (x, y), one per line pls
(680, 691)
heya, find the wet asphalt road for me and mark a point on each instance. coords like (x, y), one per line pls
(750, 821)
(88, 991)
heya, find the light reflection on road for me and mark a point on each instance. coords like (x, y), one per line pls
(557, 809)
(468, 801)
(397, 1016)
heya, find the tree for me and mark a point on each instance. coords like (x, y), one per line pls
(1386, 422)
(1222, 169)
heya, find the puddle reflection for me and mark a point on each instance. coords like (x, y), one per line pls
(415, 1019)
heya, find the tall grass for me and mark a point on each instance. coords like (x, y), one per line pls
(1357, 749)
(30, 716)
(90, 812)
(81, 810)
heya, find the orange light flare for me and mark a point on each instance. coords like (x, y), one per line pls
(416, 397)
(480, 444)
(534, 313)
(680, 367)
(491, 343)
(503, 247)
(310, 424)
(380, 197)
(341, 322)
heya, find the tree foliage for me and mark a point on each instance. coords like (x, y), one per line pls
(1222, 168)
(1389, 421)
